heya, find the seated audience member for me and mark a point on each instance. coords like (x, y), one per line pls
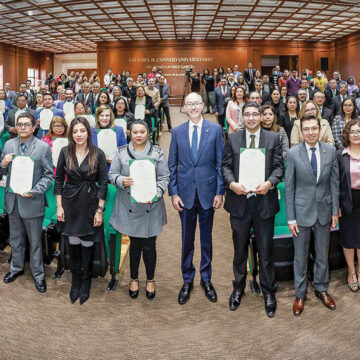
(103, 99)
(348, 112)
(234, 110)
(276, 103)
(121, 111)
(81, 203)
(61, 98)
(352, 88)
(143, 100)
(95, 92)
(293, 83)
(26, 211)
(79, 109)
(265, 96)
(301, 96)
(129, 91)
(20, 107)
(310, 108)
(85, 96)
(338, 99)
(48, 104)
(289, 115)
(349, 225)
(104, 119)
(309, 92)
(143, 222)
(269, 122)
(58, 128)
(115, 94)
(7, 102)
(164, 90)
(319, 99)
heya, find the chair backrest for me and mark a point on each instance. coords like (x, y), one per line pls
(50, 210)
(280, 218)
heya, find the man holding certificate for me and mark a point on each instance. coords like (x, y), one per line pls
(196, 189)
(28, 163)
(252, 167)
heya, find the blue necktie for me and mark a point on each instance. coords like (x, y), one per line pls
(194, 142)
(23, 148)
(313, 161)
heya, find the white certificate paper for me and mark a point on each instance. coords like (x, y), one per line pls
(122, 123)
(139, 112)
(46, 116)
(2, 106)
(107, 142)
(144, 176)
(21, 178)
(69, 117)
(17, 115)
(90, 119)
(68, 107)
(58, 144)
(251, 167)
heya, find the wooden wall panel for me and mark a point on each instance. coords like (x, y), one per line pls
(173, 56)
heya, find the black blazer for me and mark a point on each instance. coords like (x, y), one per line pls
(247, 75)
(267, 205)
(327, 114)
(286, 123)
(148, 106)
(265, 97)
(329, 97)
(346, 204)
(337, 104)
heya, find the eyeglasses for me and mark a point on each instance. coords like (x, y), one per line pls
(310, 110)
(24, 125)
(58, 126)
(248, 115)
(312, 129)
(194, 104)
(348, 105)
(354, 132)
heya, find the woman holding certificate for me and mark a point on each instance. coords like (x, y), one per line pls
(58, 129)
(141, 174)
(106, 135)
(142, 106)
(81, 202)
(122, 114)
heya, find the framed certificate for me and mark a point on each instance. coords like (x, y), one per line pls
(68, 107)
(21, 178)
(251, 167)
(46, 116)
(2, 106)
(139, 112)
(121, 123)
(107, 142)
(58, 144)
(144, 176)
(90, 119)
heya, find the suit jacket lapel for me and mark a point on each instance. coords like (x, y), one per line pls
(203, 137)
(187, 141)
(31, 148)
(261, 139)
(322, 159)
(347, 169)
(305, 158)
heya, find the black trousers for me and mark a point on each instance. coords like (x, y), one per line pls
(264, 232)
(148, 248)
(221, 120)
(167, 114)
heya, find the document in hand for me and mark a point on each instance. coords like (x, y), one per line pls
(21, 178)
(251, 167)
(58, 144)
(107, 142)
(142, 171)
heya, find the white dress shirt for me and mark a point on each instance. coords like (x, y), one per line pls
(248, 138)
(191, 130)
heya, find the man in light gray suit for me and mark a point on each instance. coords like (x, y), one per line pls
(312, 203)
(26, 211)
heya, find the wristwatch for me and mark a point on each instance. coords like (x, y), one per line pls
(102, 208)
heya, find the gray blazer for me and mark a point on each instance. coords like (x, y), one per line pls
(42, 178)
(139, 220)
(10, 120)
(166, 93)
(307, 199)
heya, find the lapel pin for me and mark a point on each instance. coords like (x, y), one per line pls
(207, 130)
(324, 151)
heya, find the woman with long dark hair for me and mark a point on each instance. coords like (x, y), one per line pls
(81, 202)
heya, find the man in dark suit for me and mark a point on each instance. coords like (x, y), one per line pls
(29, 89)
(231, 80)
(309, 92)
(196, 188)
(85, 96)
(26, 210)
(249, 75)
(301, 96)
(338, 100)
(328, 114)
(265, 96)
(251, 208)
(330, 93)
(221, 98)
(22, 91)
(8, 91)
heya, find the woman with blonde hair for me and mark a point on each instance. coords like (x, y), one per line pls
(309, 107)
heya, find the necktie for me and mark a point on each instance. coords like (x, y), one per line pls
(23, 148)
(252, 143)
(250, 74)
(224, 91)
(194, 142)
(313, 161)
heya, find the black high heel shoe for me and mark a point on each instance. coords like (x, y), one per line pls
(150, 294)
(134, 294)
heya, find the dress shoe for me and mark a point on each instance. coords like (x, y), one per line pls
(235, 299)
(134, 293)
(40, 285)
(270, 304)
(184, 294)
(326, 299)
(298, 306)
(150, 294)
(10, 276)
(209, 290)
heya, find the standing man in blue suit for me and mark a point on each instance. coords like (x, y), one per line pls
(197, 189)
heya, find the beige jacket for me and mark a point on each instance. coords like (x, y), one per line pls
(155, 95)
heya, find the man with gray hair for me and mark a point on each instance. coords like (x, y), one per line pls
(129, 90)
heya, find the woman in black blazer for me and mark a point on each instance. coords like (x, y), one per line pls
(349, 171)
(289, 115)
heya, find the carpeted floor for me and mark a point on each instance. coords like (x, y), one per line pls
(112, 326)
